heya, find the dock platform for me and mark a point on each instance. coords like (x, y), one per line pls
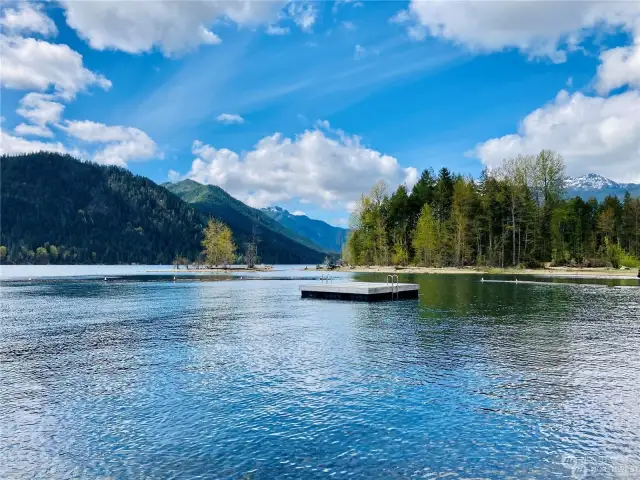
(360, 291)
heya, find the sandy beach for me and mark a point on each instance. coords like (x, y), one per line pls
(549, 271)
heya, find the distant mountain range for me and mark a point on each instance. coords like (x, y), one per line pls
(57, 209)
(321, 233)
(278, 244)
(597, 186)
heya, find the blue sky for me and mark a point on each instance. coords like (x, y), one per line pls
(306, 105)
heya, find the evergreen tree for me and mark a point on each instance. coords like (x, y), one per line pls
(513, 215)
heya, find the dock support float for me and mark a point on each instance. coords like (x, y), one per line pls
(361, 291)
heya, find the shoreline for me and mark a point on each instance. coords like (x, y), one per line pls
(567, 272)
(213, 270)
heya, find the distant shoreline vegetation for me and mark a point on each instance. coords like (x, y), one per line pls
(514, 216)
(58, 210)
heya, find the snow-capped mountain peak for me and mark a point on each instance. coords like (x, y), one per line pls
(274, 209)
(590, 181)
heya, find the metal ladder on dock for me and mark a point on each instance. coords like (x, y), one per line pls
(325, 278)
(397, 285)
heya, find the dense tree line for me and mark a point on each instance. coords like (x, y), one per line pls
(56, 209)
(512, 216)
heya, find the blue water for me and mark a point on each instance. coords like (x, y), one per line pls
(147, 377)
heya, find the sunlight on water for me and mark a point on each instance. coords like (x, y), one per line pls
(230, 378)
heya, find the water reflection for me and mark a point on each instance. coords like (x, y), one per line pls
(233, 378)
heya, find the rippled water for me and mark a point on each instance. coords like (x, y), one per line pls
(231, 378)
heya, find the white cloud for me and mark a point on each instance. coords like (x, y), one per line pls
(10, 145)
(276, 30)
(338, 3)
(401, 17)
(298, 213)
(138, 148)
(173, 176)
(304, 15)
(28, 63)
(40, 108)
(620, 66)
(170, 26)
(25, 129)
(229, 118)
(329, 168)
(123, 144)
(89, 131)
(538, 28)
(593, 134)
(27, 18)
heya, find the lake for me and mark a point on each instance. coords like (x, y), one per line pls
(235, 376)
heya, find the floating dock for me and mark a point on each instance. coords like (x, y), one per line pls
(360, 291)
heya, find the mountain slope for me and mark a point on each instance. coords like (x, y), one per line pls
(277, 244)
(90, 214)
(327, 236)
(599, 187)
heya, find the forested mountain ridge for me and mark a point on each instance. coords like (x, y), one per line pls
(56, 209)
(327, 236)
(277, 244)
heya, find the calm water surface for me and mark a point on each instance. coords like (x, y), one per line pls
(222, 377)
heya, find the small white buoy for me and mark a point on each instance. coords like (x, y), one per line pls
(29, 279)
(482, 279)
(516, 279)
(105, 279)
(174, 279)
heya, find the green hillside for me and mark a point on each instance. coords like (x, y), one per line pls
(277, 243)
(56, 209)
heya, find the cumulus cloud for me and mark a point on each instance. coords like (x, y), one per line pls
(11, 145)
(229, 118)
(26, 18)
(32, 64)
(122, 144)
(620, 66)
(322, 166)
(25, 130)
(40, 108)
(538, 28)
(593, 134)
(170, 26)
